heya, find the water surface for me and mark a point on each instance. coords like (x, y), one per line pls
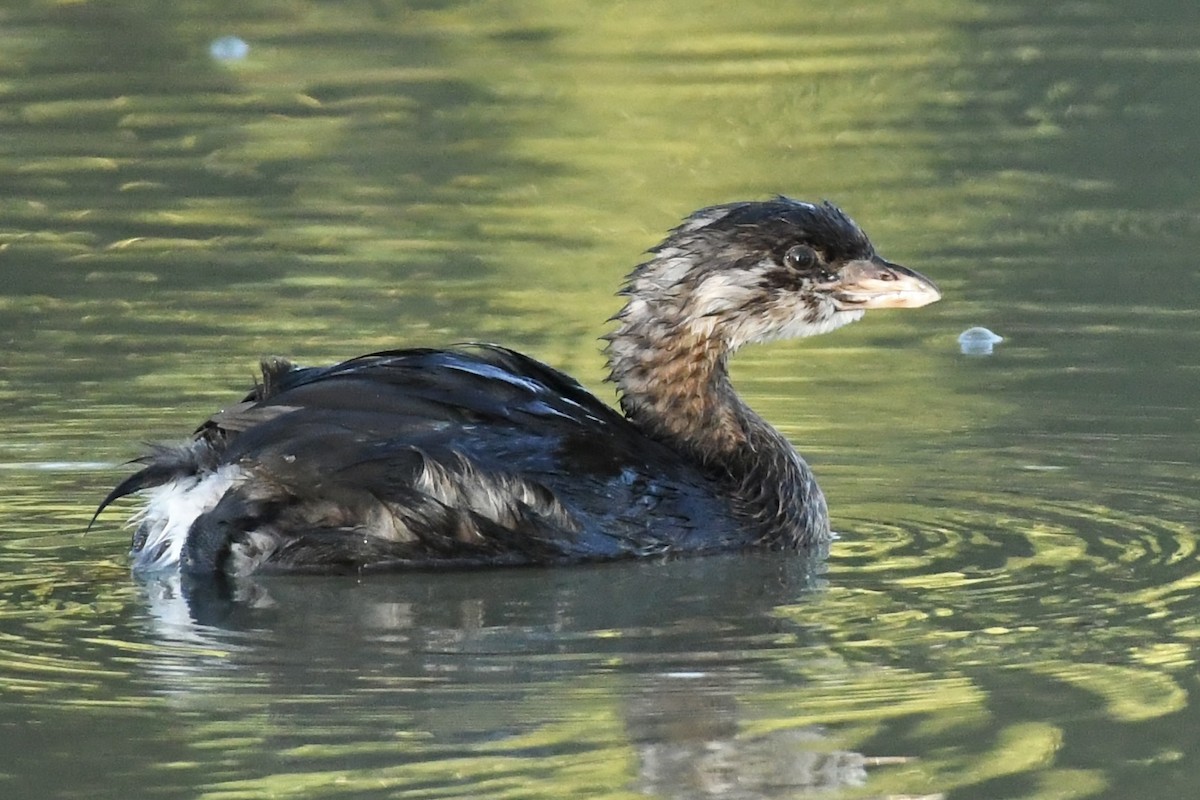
(1009, 610)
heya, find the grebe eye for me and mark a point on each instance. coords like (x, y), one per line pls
(801, 257)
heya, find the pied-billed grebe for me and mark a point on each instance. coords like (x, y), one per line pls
(479, 455)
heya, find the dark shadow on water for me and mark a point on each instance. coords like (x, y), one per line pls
(489, 663)
(693, 594)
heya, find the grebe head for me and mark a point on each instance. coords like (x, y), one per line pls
(748, 272)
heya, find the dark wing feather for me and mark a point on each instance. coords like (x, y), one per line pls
(525, 464)
(163, 464)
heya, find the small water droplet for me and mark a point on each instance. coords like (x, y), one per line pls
(978, 341)
(228, 48)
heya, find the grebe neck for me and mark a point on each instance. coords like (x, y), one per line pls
(675, 386)
(673, 382)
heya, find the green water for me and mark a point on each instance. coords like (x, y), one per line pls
(1011, 609)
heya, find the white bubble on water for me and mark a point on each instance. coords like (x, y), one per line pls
(978, 341)
(228, 48)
